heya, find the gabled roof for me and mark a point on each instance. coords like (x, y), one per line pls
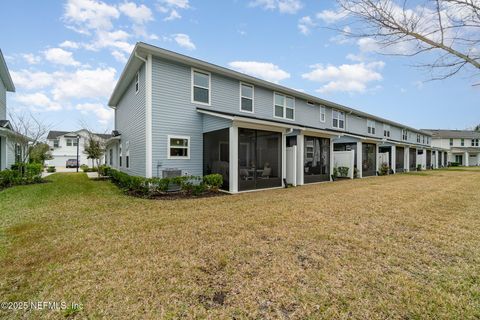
(5, 124)
(454, 134)
(55, 134)
(142, 50)
(5, 74)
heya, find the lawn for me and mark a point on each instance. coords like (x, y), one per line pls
(397, 247)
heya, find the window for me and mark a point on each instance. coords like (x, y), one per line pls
(474, 142)
(386, 130)
(127, 154)
(284, 106)
(137, 82)
(371, 126)
(418, 138)
(462, 142)
(56, 143)
(75, 142)
(451, 142)
(423, 139)
(200, 87)
(110, 156)
(404, 135)
(18, 153)
(69, 142)
(178, 147)
(120, 155)
(338, 119)
(246, 97)
(322, 114)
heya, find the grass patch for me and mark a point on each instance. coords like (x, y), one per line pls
(388, 247)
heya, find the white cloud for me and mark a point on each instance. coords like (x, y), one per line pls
(85, 83)
(103, 114)
(283, 6)
(60, 56)
(330, 16)
(27, 79)
(264, 70)
(31, 58)
(139, 14)
(346, 77)
(37, 102)
(174, 15)
(69, 44)
(183, 40)
(90, 14)
(119, 56)
(305, 24)
(182, 4)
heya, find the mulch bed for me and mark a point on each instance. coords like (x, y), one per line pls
(178, 195)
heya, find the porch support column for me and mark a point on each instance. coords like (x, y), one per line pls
(284, 157)
(406, 159)
(478, 159)
(393, 155)
(3, 153)
(331, 158)
(466, 161)
(359, 159)
(233, 153)
(300, 155)
(377, 149)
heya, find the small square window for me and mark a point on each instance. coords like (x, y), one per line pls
(178, 147)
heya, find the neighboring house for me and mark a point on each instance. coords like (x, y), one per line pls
(178, 115)
(7, 147)
(63, 146)
(462, 145)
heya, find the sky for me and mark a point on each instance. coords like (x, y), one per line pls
(66, 56)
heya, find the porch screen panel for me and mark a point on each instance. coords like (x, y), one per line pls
(259, 159)
(413, 159)
(429, 158)
(216, 154)
(369, 159)
(316, 157)
(399, 159)
(439, 159)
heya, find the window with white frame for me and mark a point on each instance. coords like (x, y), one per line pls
(462, 142)
(137, 81)
(404, 135)
(75, 142)
(120, 155)
(370, 126)
(338, 119)
(110, 156)
(474, 142)
(386, 130)
(201, 87)
(423, 139)
(127, 154)
(178, 147)
(246, 97)
(418, 138)
(69, 142)
(322, 114)
(451, 142)
(56, 143)
(284, 106)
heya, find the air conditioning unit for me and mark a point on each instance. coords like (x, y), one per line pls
(171, 173)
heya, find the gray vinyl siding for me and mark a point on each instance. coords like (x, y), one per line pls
(10, 153)
(174, 114)
(3, 101)
(130, 122)
(211, 123)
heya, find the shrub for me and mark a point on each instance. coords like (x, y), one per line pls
(51, 169)
(343, 171)
(9, 178)
(213, 181)
(454, 164)
(384, 169)
(84, 168)
(419, 167)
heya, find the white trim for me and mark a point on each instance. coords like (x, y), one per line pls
(371, 124)
(386, 127)
(253, 97)
(193, 70)
(148, 117)
(169, 137)
(233, 160)
(284, 106)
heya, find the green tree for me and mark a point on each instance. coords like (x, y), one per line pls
(94, 148)
(39, 153)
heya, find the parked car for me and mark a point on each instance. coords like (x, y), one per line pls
(71, 163)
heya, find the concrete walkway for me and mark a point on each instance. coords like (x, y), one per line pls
(92, 175)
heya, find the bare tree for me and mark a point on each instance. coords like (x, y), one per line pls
(27, 131)
(448, 30)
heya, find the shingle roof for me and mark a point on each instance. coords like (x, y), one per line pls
(4, 123)
(5, 74)
(456, 134)
(56, 134)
